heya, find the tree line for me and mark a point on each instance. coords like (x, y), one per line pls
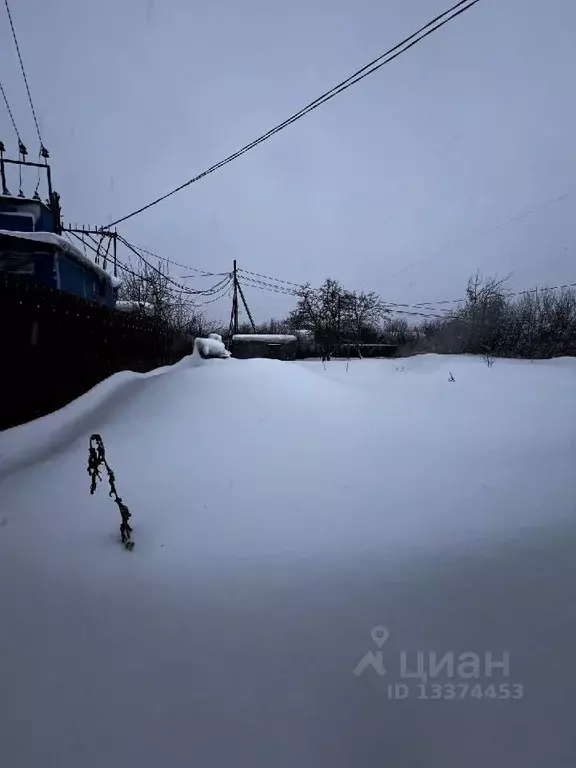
(489, 321)
(495, 323)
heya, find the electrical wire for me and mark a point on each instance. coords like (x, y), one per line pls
(181, 288)
(105, 257)
(390, 305)
(219, 290)
(225, 287)
(416, 37)
(10, 112)
(418, 314)
(274, 286)
(225, 292)
(120, 264)
(420, 305)
(510, 294)
(391, 310)
(24, 75)
(203, 273)
(267, 287)
(267, 277)
(482, 233)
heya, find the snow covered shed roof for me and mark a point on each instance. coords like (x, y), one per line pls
(266, 338)
(135, 306)
(60, 242)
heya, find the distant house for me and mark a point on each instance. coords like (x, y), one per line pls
(271, 345)
(51, 260)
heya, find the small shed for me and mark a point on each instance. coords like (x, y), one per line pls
(277, 346)
(51, 260)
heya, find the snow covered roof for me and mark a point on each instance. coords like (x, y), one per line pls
(23, 199)
(133, 306)
(268, 338)
(68, 248)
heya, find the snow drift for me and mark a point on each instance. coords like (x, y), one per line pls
(210, 347)
(281, 513)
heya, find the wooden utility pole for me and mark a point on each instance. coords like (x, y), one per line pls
(235, 300)
(246, 308)
(2, 172)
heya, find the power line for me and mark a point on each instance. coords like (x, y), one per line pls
(42, 148)
(267, 277)
(482, 233)
(273, 286)
(418, 305)
(220, 288)
(425, 304)
(418, 314)
(287, 292)
(390, 306)
(541, 290)
(203, 273)
(223, 293)
(368, 69)
(10, 112)
(182, 288)
(445, 301)
(267, 287)
(396, 307)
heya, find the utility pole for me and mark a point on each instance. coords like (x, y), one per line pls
(2, 172)
(235, 300)
(233, 329)
(246, 308)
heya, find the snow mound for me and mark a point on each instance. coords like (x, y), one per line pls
(210, 347)
(297, 528)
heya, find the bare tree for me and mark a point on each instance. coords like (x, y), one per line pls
(153, 293)
(484, 310)
(364, 310)
(321, 311)
(336, 315)
(493, 323)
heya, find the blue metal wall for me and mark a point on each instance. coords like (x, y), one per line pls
(81, 281)
(45, 269)
(19, 214)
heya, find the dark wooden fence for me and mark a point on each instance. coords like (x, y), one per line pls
(54, 347)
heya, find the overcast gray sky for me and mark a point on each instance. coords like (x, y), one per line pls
(397, 185)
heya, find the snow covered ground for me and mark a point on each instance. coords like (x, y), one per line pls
(281, 513)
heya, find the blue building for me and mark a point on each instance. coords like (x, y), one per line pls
(30, 248)
(22, 214)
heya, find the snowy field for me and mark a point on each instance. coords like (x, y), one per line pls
(281, 514)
